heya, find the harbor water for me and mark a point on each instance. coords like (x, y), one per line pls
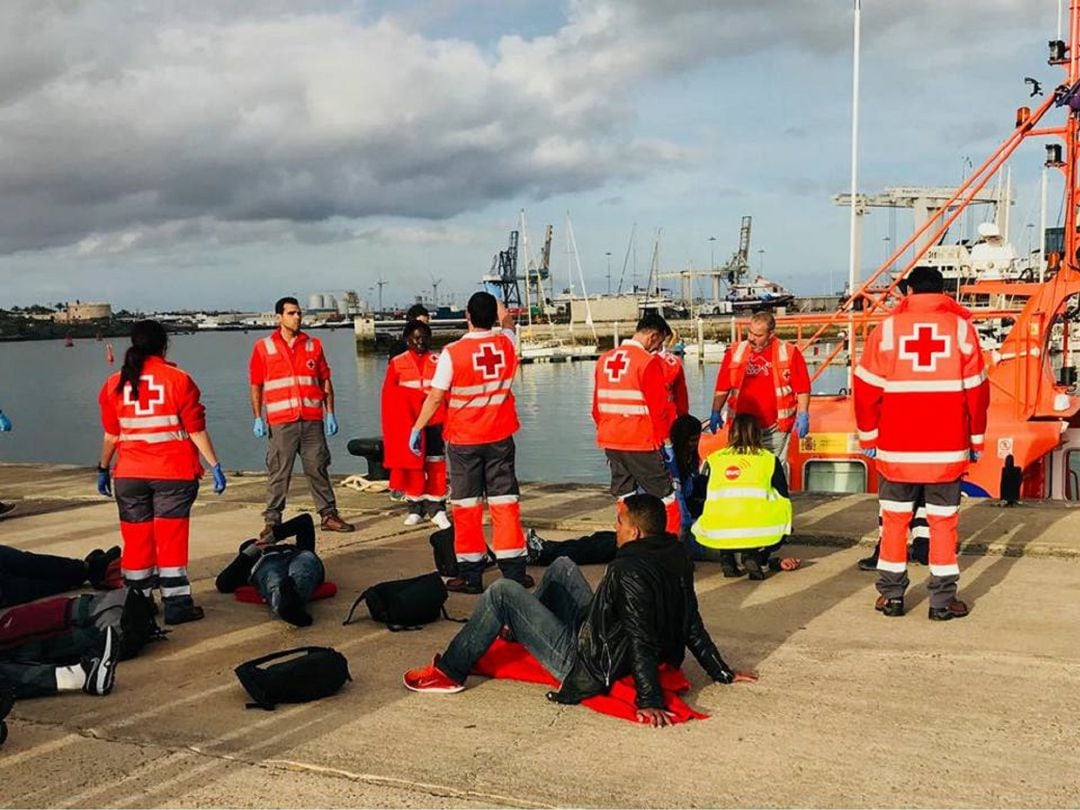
(50, 393)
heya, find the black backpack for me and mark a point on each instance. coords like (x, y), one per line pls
(299, 675)
(405, 604)
(128, 612)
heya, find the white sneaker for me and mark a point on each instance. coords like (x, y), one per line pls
(100, 668)
(413, 519)
(440, 519)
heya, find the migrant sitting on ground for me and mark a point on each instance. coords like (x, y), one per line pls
(645, 601)
(285, 575)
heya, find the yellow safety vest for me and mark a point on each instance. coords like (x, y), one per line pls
(742, 510)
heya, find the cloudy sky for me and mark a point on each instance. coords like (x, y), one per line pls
(219, 154)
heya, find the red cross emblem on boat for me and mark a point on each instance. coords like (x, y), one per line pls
(489, 361)
(924, 346)
(616, 365)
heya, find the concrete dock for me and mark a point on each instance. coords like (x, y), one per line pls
(852, 708)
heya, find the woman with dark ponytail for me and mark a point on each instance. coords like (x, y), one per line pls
(156, 426)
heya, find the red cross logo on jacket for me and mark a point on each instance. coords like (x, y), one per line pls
(616, 366)
(924, 346)
(157, 395)
(489, 361)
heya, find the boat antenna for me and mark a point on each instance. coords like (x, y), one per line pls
(626, 258)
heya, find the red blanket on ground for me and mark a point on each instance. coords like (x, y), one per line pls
(248, 593)
(508, 659)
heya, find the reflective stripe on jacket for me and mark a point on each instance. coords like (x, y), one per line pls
(742, 510)
(781, 369)
(292, 391)
(631, 406)
(921, 392)
(479, 404)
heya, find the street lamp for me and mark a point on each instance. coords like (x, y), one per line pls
(761, 261)
(608, 254)
(712, 253)
(885, 241)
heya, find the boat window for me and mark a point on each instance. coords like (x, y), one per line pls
(835, 476)
(1072, 475)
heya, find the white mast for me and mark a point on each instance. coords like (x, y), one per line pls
(525, 251)
(581, 275)
(853, 240)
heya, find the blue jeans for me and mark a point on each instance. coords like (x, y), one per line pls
(545, 623)
(305, 568)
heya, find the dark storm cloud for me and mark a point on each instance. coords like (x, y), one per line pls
(127, 126)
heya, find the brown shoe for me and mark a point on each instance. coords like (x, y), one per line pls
(267, 534)
(333, 523)
(6, 507)
(462, 585)
(954, 610)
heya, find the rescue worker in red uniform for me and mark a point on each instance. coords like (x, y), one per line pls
(921, 396)
(674, 379)
(633, 413)
(767, 378)
(473, 376)
(289, 375)
(408, 381)
(156, 426)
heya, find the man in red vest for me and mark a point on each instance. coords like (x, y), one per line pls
(921, 397)
(473, 376)
(633, 412)
(767, 378)
(289, 375)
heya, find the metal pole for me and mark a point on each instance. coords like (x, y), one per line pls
(1042, 227)
(853, 238)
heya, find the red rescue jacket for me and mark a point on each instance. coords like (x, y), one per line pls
(153, 430)
(921, 392)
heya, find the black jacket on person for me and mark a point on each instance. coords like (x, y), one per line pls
(644, 613)
(240, 570)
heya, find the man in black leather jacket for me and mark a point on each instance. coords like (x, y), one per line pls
(644, 613)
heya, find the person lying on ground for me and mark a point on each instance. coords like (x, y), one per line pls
(94, 674)
(644, 613)
(25, 576)
(284, 574)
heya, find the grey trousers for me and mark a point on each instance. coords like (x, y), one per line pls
(306, 438)
(777, 441)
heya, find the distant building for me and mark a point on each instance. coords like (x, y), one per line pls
(316, 301)
(85, 311)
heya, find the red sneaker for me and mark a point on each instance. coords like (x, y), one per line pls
(431, 679)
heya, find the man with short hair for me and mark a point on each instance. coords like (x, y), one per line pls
(923, 360)
(417, 312)
(644, 614)
(473, 376)
(289, 375)
(633, 412)
(765, 377)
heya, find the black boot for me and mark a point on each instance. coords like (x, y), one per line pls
(181, 609)
(728, 566)
(514, 568)
(470, 578)
(870, 563)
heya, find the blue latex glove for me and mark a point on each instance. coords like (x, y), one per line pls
(259, 428)
(669, 459)
(414, 441)
(104, 483)
(802, 424)
(331, 425)
(219, 478)
(870, 452)
(716, 421)
(975, 455)
(5, 423)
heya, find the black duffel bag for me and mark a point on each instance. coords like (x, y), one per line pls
(405, 604)
(298, 675)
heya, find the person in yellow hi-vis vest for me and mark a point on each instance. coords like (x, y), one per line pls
(746, 504)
